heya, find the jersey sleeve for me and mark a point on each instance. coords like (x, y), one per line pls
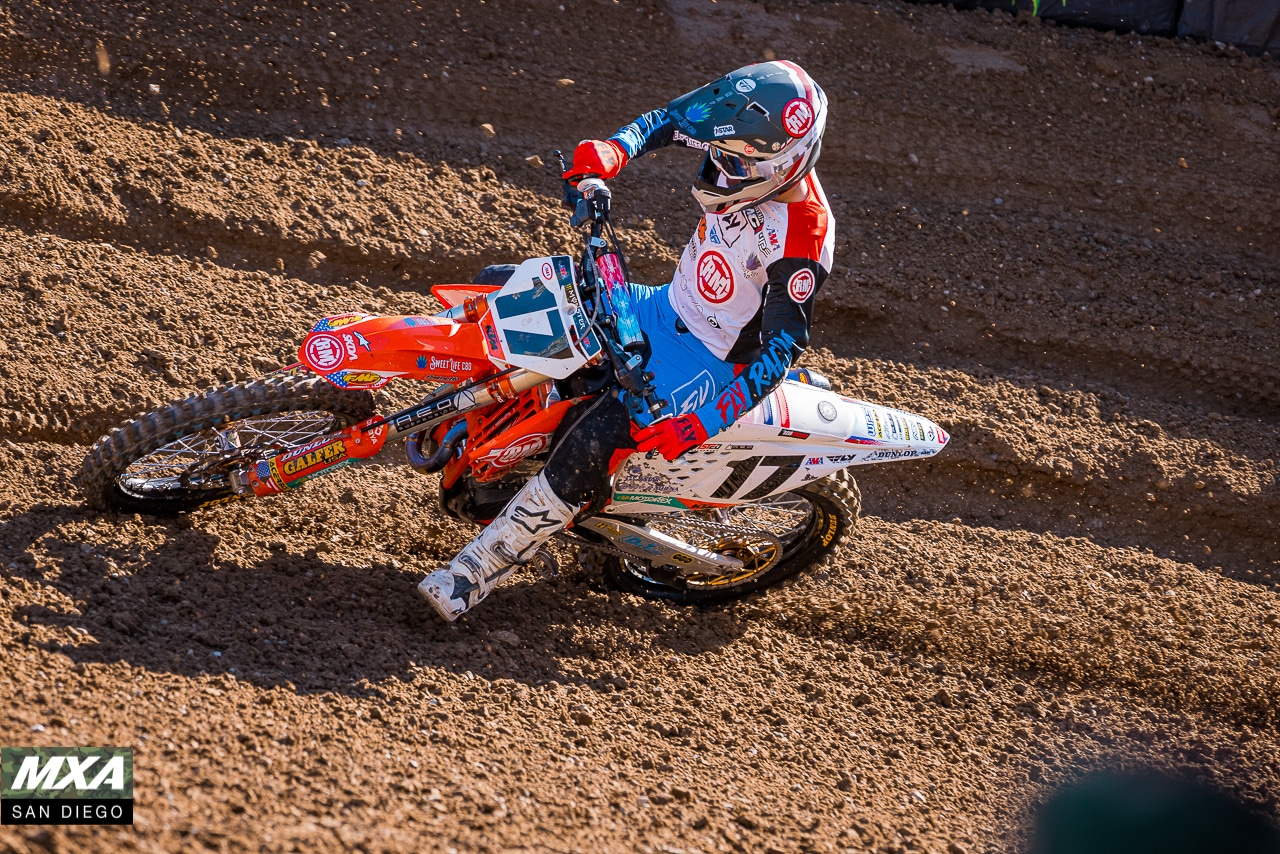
(652, 131)
(757, 379)
(789, 296)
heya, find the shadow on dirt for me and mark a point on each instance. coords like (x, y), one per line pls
(313, 625)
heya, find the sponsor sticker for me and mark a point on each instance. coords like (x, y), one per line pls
(547, 272)
(797, 117)
(715, 277)
(800, 285)
(724, 130)
(899, 454)
(311, 456)
(448, 366)
(690, 142)
(697, 112)
(526, 446)
(325, 352)
(745, 85)
(337, 322)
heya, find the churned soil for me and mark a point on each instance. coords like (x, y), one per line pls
(1062, 245)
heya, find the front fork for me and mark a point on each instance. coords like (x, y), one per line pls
(294, 467)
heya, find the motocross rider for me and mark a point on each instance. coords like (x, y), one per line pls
(722, 334)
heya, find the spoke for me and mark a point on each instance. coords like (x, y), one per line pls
(229, 439)
(166, 468)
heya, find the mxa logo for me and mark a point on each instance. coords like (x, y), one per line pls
(66, 785)
(32, 776)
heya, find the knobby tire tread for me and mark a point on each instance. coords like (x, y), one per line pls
(112, 454)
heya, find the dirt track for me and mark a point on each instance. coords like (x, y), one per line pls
(1062, 245)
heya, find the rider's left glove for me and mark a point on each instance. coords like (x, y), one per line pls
(671, 437)
(604, 158)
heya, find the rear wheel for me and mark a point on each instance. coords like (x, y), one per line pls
(181, 456)
(775, 538)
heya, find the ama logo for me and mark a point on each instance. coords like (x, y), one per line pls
(66, 785)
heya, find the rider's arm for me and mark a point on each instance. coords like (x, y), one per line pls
(605, 158)
(784, 334)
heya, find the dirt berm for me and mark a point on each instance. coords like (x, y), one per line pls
(1062, 245)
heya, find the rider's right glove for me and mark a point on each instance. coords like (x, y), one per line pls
(604, 158)
(671, 437)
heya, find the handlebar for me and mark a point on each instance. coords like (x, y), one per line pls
(607, 286)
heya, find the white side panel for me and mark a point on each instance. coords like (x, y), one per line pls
(799, 433)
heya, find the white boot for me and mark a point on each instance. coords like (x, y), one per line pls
(528, 521)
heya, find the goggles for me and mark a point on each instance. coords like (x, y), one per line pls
(738, 167)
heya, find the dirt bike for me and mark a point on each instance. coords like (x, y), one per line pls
(511, 354)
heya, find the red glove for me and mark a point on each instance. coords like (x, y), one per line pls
(595, 157)
(671, 437)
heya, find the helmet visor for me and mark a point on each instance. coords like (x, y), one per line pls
(734, 165)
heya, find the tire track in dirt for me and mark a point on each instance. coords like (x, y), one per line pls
(934, 590)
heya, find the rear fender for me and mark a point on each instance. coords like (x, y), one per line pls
(367, 351)
(808, 417)
(797, 434)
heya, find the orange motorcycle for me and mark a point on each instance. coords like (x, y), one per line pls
(507, 358)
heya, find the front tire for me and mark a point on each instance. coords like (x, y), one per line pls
(179, 457)
(830, 510)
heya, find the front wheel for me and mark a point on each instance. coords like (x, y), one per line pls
(775, 538)
(180, 457)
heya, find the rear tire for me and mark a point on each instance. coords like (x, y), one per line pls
(187, 437)
(833, 503)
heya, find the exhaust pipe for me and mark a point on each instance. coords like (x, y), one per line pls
(424, 463)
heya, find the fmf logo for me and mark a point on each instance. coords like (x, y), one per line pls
(66, 785)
